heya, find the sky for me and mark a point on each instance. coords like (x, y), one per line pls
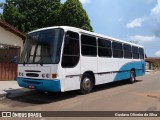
(137, 21)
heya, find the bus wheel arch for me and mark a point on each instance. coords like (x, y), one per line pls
(87, 82)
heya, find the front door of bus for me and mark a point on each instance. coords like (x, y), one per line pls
(70, 61)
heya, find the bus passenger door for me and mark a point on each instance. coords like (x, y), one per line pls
(70, 61)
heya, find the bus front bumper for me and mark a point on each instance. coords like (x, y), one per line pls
(44, 85)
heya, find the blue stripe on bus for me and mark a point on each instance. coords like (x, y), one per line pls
(44, 85)
(126, 69)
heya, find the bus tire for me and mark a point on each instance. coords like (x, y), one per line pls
(132, 78)
(86, 84)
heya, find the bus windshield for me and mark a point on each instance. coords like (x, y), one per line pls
(43, 47)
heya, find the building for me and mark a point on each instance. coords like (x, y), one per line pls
(11, 45)
(10, 36)
(150, 62)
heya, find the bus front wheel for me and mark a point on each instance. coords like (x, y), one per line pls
(86, 83)
(132, 77)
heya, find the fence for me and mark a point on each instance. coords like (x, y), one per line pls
(8, 71)
(8, 57)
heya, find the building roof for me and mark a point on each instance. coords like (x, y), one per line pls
(12, 29)
(152, 59)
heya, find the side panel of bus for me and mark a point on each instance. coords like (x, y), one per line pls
(106, 70)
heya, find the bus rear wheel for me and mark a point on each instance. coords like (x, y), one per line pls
(132, 77)
(86, 84)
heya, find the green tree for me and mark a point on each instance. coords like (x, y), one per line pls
(73, 14)
(27, 15)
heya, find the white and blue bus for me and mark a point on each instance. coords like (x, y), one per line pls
(62, 58)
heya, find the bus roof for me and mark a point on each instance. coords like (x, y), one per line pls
(74, 29)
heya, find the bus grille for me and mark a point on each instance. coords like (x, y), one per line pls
(32, 75)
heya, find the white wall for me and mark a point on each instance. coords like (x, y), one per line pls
(7, 37)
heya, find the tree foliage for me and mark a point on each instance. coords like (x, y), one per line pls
(27, 15)
(73, 14)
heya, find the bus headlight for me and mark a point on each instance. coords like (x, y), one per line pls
(45, 75)
(21, 74)
(48, 75)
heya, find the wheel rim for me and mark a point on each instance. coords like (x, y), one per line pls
(86, 84)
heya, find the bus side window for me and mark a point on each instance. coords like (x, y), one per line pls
(71, 50)
(135, 52)
(141, 53)
(88, 46)
(117, 50)
(127, 51)
(104, 48)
